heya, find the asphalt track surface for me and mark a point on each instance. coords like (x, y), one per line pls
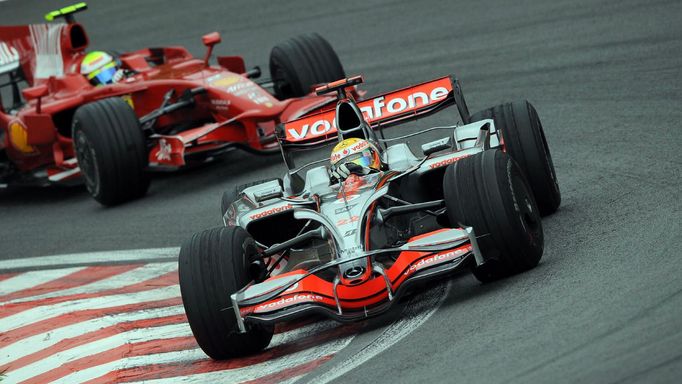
(604, 305)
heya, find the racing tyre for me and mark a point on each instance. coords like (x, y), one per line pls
(524, 140)
(111, 152)
(213, 265)
(302, 62)
(488, 191)
(230, 195)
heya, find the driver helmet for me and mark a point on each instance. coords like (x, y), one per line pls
(99, 68)
(357, 151)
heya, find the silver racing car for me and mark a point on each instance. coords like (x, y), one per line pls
(345, 238)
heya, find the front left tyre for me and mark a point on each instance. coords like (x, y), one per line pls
(213, 265)
(111, 151)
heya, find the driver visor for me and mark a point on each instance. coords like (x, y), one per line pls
(105, 75)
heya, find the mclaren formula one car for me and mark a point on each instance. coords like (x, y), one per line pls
(165, 110)
(348, 249)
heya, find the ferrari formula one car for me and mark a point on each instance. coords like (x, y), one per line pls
(310, 244)
(169, 109)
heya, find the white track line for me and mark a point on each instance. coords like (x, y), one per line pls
(31, 279)
(48, 311)
(137, 275)
(133, 336)
(417, 312)
(47, 339)
(91, 258)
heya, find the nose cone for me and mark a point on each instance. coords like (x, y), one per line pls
(355, 273)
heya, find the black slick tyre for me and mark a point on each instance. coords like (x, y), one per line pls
(302, 62)
(111, 151)
(524, 139)
(213, 265)
(488, 191)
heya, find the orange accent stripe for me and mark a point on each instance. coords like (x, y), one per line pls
(168, 279)
(99, 334)
(127, 350)
(79, 278)
(79, 316)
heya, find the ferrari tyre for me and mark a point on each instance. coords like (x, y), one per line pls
(301, 62)
(212, 266)
(488, 192)
(111, 151)
(524, 139)
(230, 195)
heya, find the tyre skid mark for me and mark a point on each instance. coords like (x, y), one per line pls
(290, 347)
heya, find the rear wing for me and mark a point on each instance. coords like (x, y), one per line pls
(381, 111)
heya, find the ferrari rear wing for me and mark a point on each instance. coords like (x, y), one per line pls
(381, 111)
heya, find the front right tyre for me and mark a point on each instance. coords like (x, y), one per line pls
(488, 191)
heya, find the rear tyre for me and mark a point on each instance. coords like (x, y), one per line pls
(524, 139)
(302, 62)
(111, 152)
(230, 195)
(488, 191)
(213, 265)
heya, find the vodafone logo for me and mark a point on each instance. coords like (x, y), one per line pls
(437, 259)
(378, 108)
(271, 211)
(445, 162)
(285, 302)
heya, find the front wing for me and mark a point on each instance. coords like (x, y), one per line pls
(301, 293)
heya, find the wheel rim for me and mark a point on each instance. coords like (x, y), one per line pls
(87, 162)
(548, 155)
(526, 209)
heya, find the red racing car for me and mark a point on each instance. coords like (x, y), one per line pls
(346, 235)
(68, 115)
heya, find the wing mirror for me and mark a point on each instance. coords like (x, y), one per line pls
(35, 93)
(210, 40)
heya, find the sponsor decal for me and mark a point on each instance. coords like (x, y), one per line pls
(444, 162)
(291, 300)
(344, 209)
(376, 109)
(224, 82)
(271, 211)
(349, 220)
(437, 259)
(346, 148)
(164, 152)
(350, 233)
(220, 104)
(18, 136)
